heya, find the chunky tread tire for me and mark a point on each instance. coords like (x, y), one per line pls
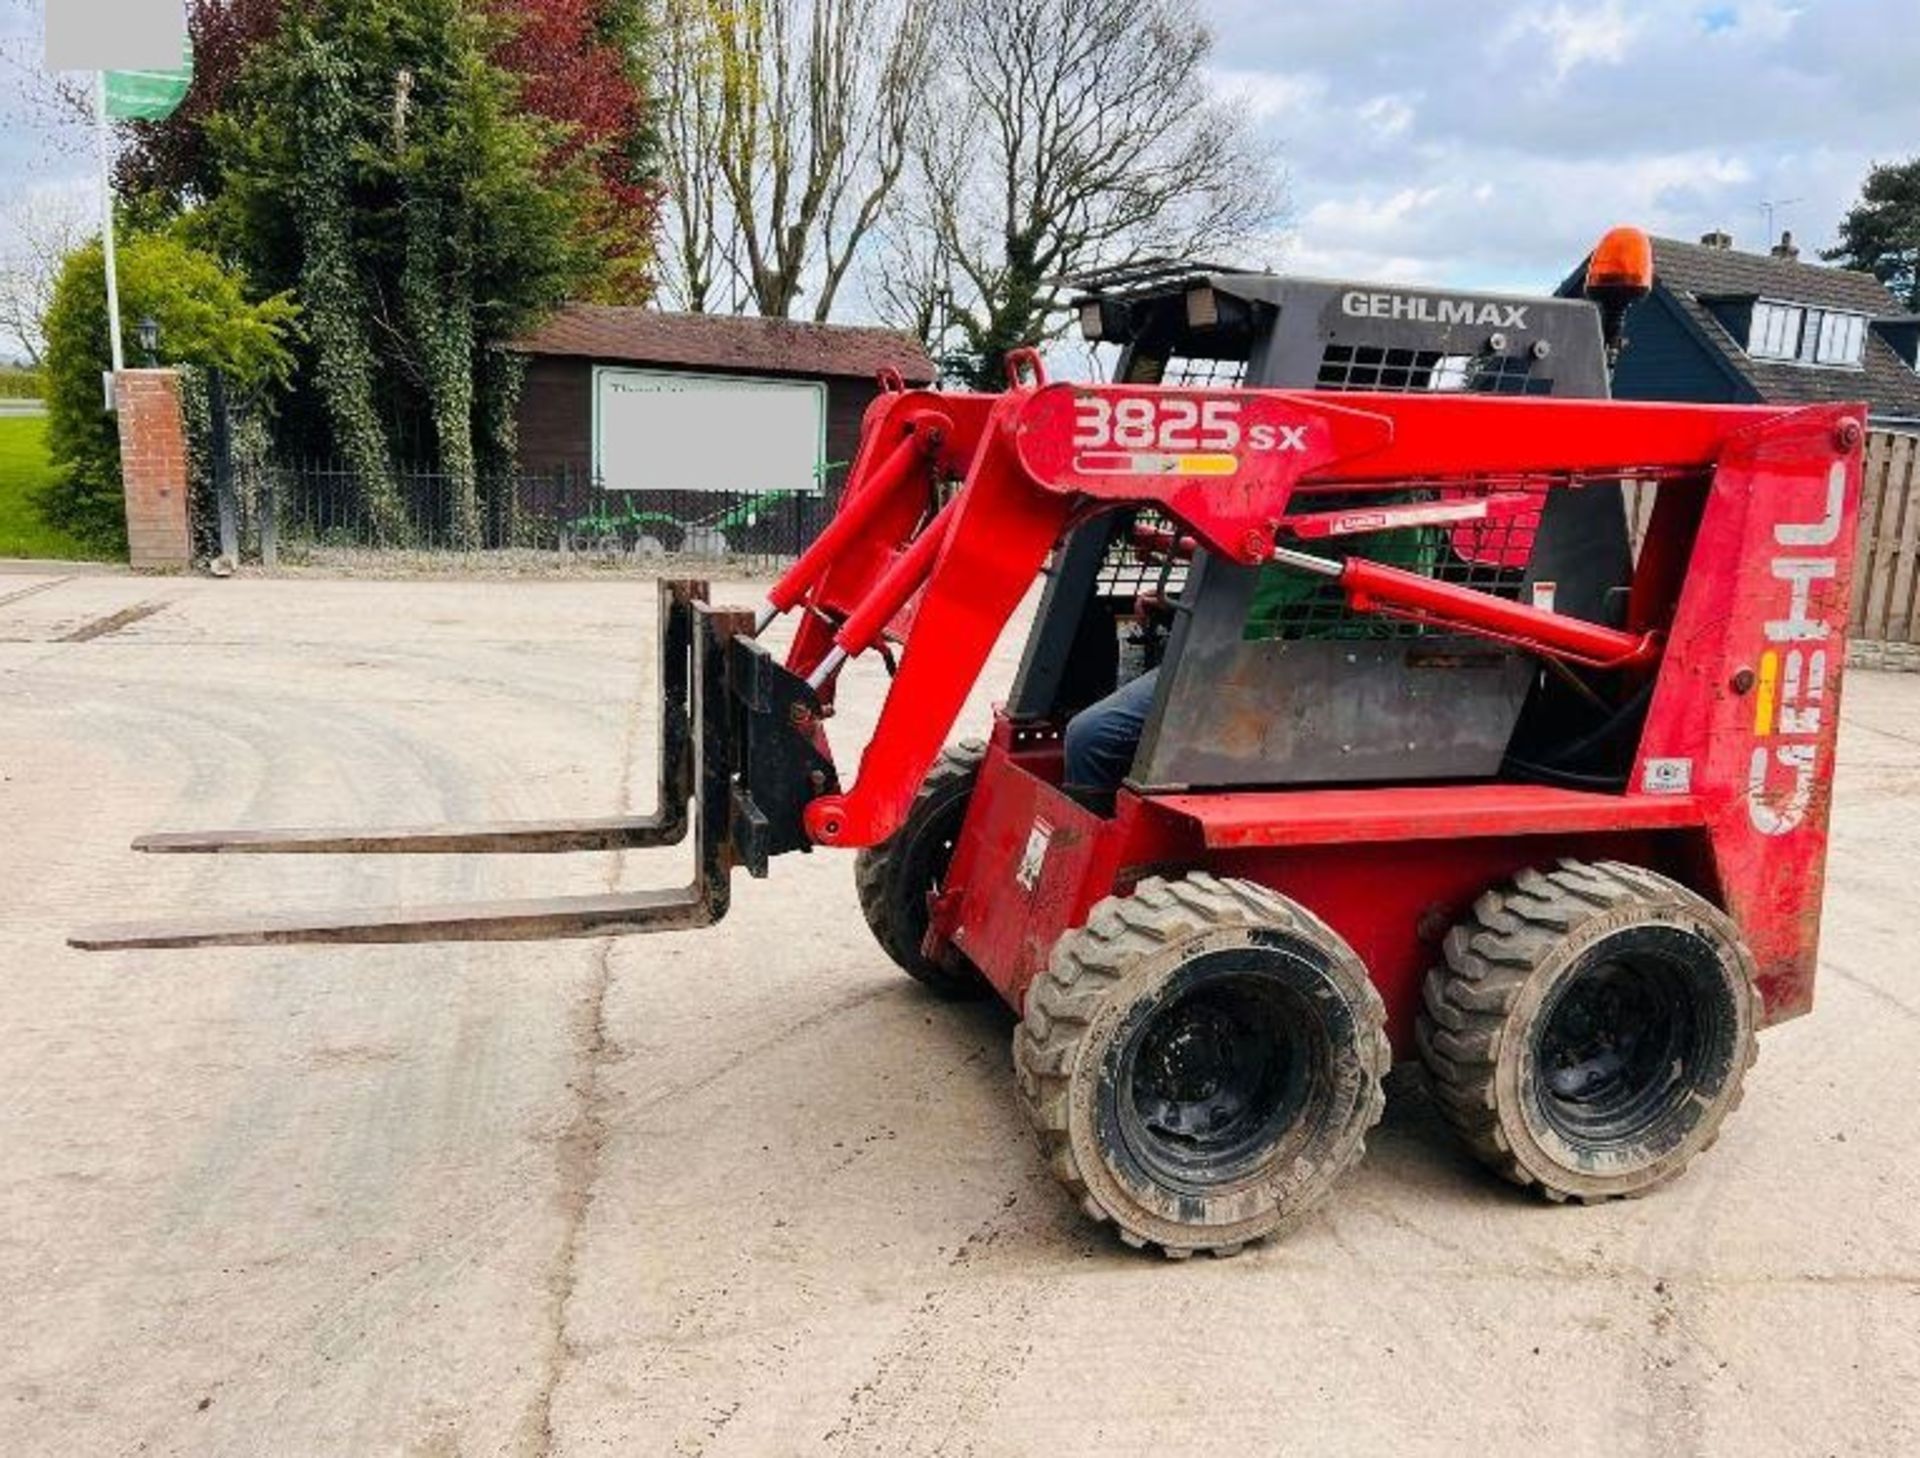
(1471, 1014)
(893, 878)
(1084, 978)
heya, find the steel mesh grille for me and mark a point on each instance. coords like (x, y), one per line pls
(1409, 371)
(1204, 374)
(1143, 558)
(1488, 556)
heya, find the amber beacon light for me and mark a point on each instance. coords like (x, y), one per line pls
(1619, 275)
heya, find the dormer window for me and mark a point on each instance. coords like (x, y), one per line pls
(1801, 335)
(1776, 331)
(1843, 337)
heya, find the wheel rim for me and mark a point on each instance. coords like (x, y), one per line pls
(1211, 1081)
(1625, 1042)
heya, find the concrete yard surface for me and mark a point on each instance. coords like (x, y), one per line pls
(749, 1190)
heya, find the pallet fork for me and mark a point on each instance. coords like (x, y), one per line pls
(724, 705)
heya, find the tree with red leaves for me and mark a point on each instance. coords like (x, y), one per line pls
(580, 64)
(168, 163)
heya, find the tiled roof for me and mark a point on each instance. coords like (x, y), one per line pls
(1727, 272)
(726, 342)
(1691, 272)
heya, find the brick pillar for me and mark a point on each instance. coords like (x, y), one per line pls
(153, 468)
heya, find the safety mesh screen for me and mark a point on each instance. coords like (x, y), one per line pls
(1204, 374)
(1146, 555)
(1488, 555)
(1407, 371)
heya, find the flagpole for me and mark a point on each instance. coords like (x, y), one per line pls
(106, 223)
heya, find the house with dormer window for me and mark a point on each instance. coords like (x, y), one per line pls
(1723, 326)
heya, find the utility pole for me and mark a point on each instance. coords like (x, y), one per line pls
(106, 219)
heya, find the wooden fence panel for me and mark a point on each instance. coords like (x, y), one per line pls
(1873, 491)
(1886, 589)
(1874, 571)
(1904, 467)
(1886, 571)
(1900, 576)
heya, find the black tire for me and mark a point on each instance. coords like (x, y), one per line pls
(1590, 1029)
(896, 877)
(1202, 1061)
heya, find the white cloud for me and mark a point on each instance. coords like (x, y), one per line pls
(1525, 230)
(1677, 115)
(1389, 115)
(1312, 260)
(1363, 217)
(1763, 20)
(1267, 95)
(1577, 35)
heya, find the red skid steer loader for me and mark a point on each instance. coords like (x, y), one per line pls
(1493, 725)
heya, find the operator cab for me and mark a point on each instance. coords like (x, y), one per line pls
(1266, 681)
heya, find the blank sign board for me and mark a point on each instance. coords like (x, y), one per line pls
(675, 432)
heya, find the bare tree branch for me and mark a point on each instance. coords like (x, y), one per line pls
(37, 232)
(58, 105)
(787, 125)
(1090, 138)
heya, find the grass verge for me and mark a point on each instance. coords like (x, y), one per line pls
(24, 471)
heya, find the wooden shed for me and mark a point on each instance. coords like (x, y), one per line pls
(646, 401)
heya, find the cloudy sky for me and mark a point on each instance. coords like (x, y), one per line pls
(36, 147)
(1486, 144)
(1471, 141)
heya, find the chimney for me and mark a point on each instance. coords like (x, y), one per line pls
(1716, 239)
(1786, 248)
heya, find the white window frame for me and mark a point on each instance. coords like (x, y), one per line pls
(1843, 338)
(1774, 333)
(1807, 334)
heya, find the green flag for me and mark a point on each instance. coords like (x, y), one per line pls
(148, 95)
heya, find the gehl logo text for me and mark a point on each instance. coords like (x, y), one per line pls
(1790, 698)
(1421, 309)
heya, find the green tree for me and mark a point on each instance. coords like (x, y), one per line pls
(205, 319)
(374, 159)
(1881, 234)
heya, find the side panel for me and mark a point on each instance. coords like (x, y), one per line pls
(1030, 864)
(1748, 703)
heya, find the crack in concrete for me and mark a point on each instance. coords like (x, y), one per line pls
(114, 622)
(581, 1146)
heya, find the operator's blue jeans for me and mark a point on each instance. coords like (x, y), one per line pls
(1102, 738)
